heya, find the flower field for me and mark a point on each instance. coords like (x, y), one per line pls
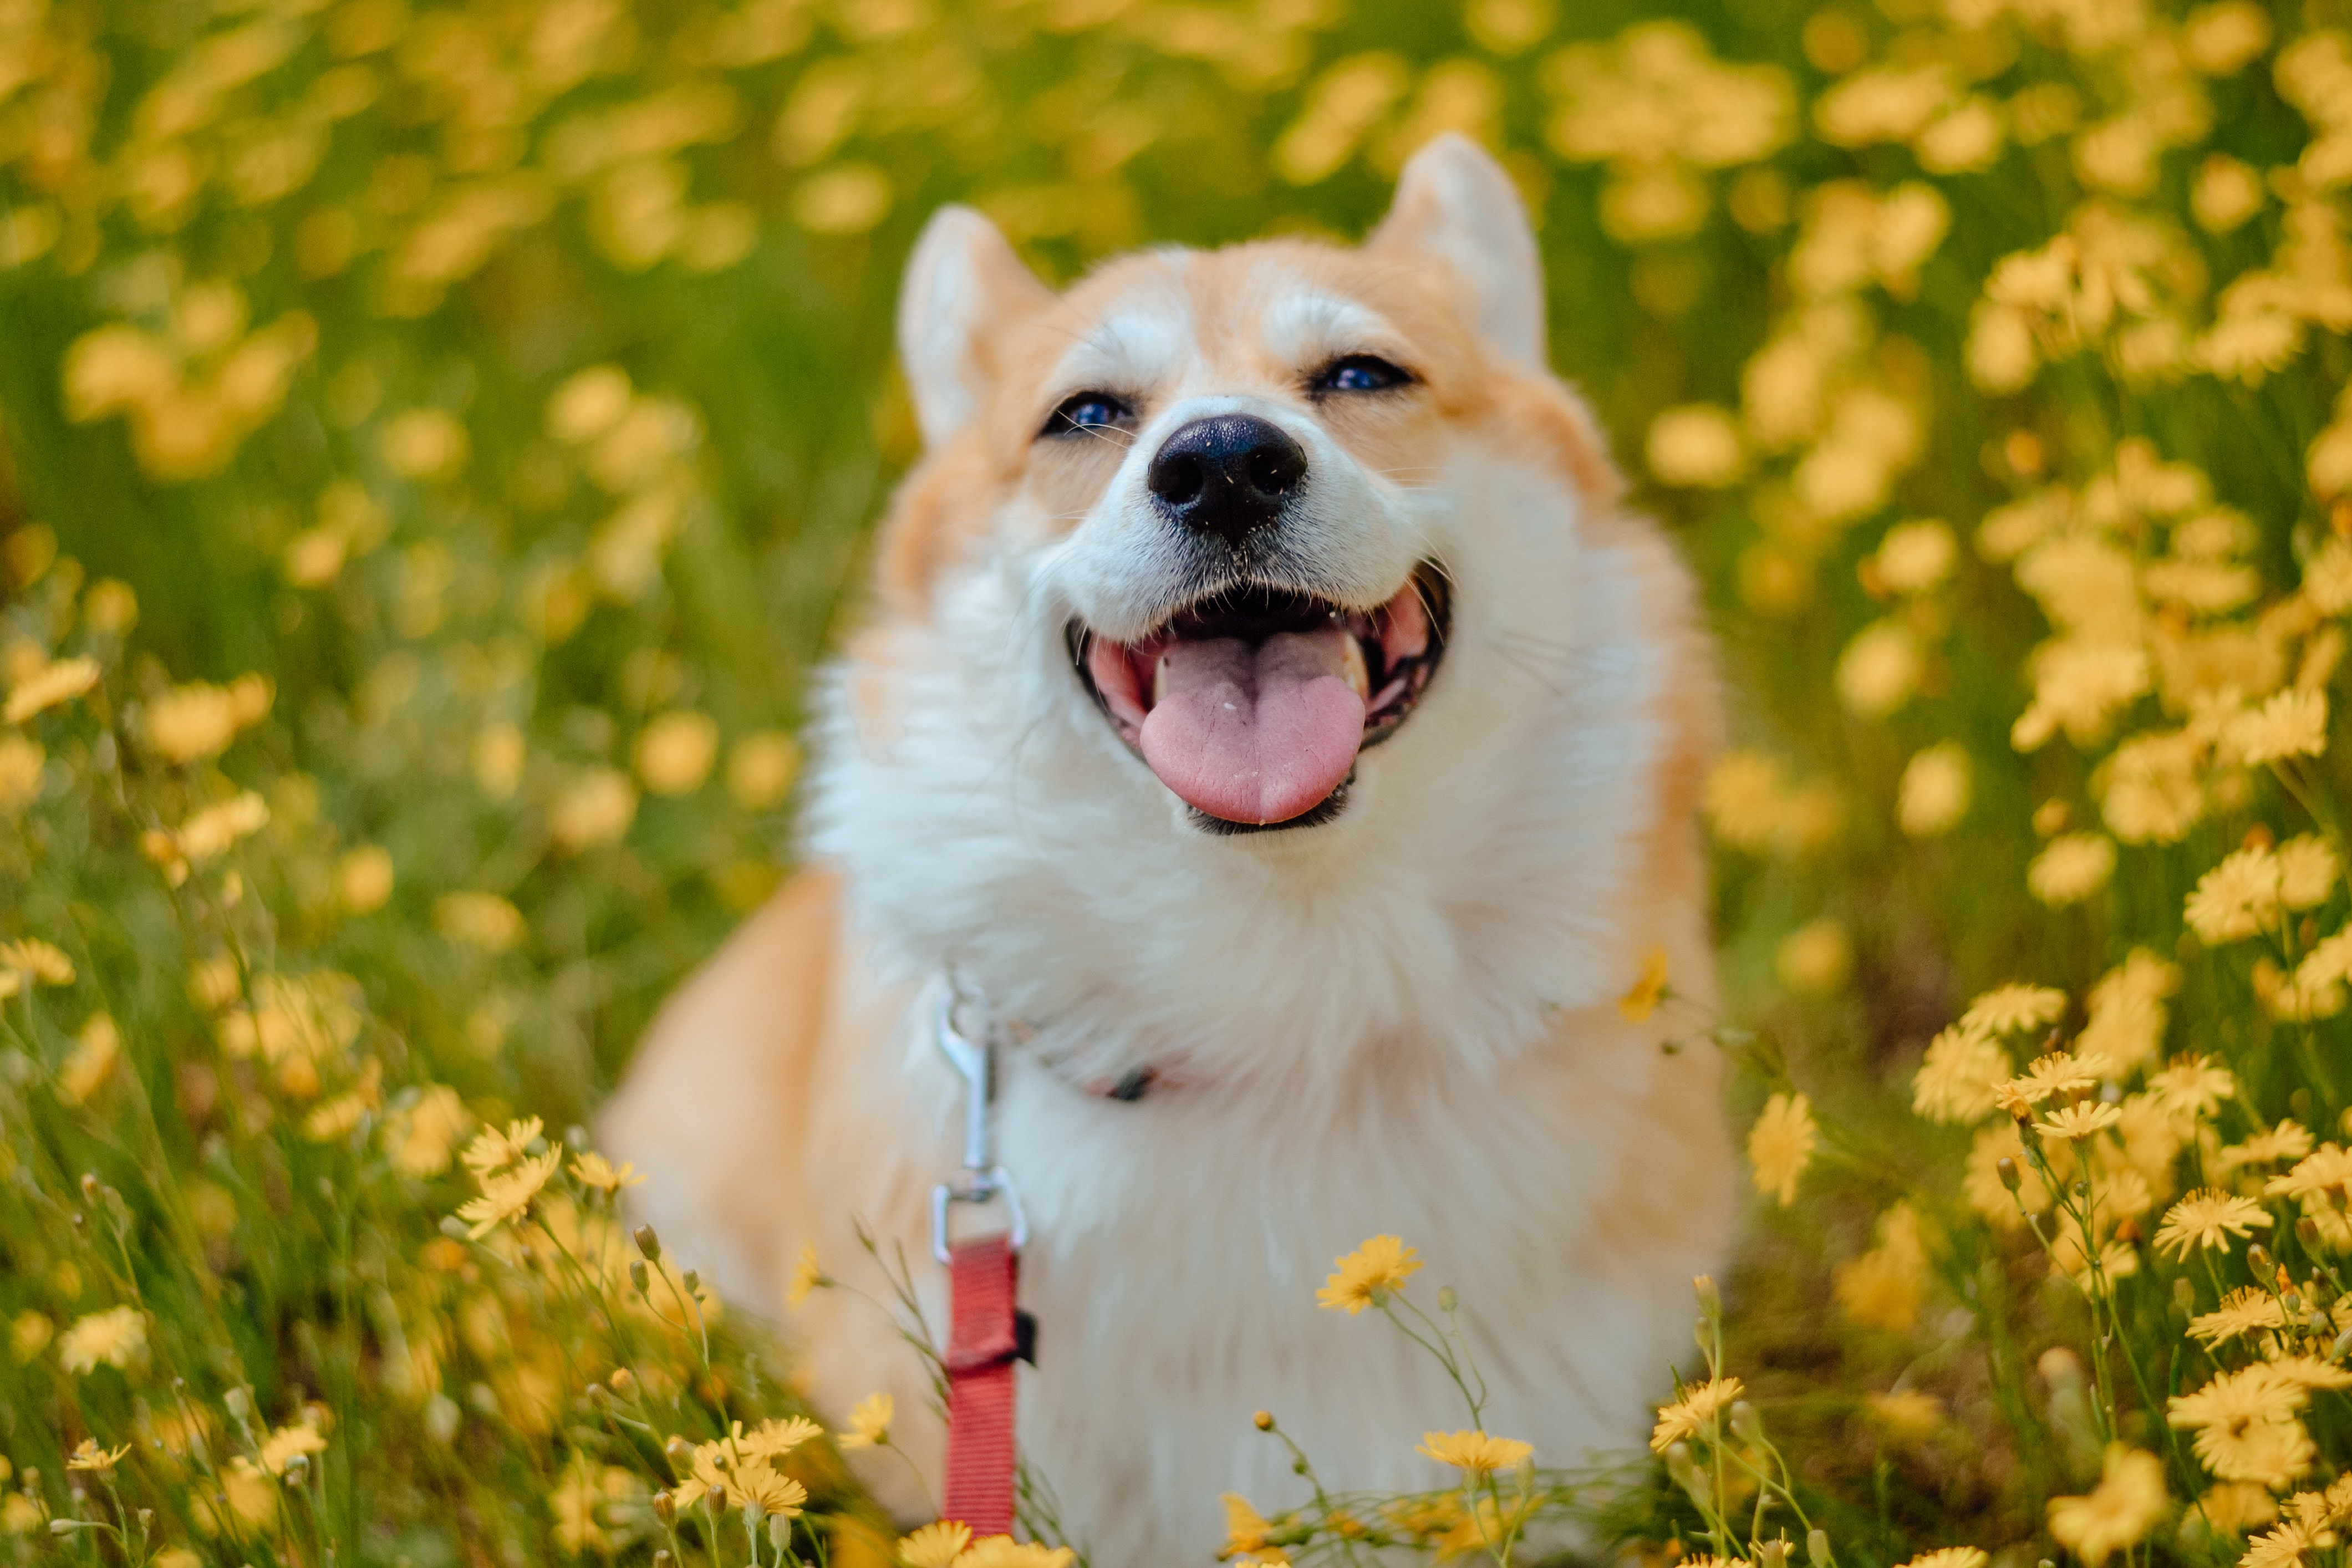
(437, 442)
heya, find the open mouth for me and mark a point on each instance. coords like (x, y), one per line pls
(1252, 705)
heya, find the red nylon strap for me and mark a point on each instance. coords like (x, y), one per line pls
(982, 1339)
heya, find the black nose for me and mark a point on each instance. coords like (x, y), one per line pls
(1227, 474)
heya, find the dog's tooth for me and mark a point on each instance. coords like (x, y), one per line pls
(1351, 665)
(1159, 679)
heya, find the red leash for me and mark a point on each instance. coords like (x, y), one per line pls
(982, 1344)
(985, 1332)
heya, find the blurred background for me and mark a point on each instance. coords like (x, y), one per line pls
(478, 414)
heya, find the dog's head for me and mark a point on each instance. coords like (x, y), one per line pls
(1235, 482)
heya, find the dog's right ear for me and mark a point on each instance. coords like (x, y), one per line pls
(963, 287)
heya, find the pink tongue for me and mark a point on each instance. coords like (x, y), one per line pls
(1255, 734)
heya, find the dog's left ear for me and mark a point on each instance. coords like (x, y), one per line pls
(1455, 203)
(964, 286)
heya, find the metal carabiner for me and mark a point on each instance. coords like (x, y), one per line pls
(982, 1179)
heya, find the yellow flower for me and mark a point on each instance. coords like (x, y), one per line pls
(190, 723)
(284, 1443)
(2118, 1511)
(2056, 1073)
(1886, 1287)
(90, 1456)
(1474, 1452)
(95, 1051)
(760, 769)
(2237, 897)
(676, 751)
(419, 1138)
(364, 878)
(1366, 1276)
(22, 763)
(217, 828)
(2247, 1310)
(739, 1470)
(2307, 871)
(2078, 1122)
(2009, 1008)
(1003, 1552)
(51, 684)
(1958, 1078)
(935, 1545)
(596, 810)
(807, 1276)
(1642, 999)
(116, 1337)
(1246, 1531)
(1696, 447)
(1934, 793)
(35, 960)
(494, 1151)
(848, 198)
(1780, 1145)
(2287, 1545)
(2208, 1218)
(1950, 1557)
(2290, 724)
(2192, 1087)
(773, 1438)
(869, 1422)
(1880, 669)
(507, 1194)
(594, 1170)
(481, 919)
(1816, 958)
(2290, 1140)
(1910, 1416)
(2071, 867)
(1693, 1414)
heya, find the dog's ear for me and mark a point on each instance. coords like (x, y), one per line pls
(964, 286)
(1455, 203)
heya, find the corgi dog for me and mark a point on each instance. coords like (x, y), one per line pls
(1268, 711)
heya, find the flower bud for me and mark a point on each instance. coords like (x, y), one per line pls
(2306, 1231)
(453, 1227)
(1710, 1299)
(692, 1281)
(1445, 1301)
(89, 1186)
(1746, 1424)
(665, 1508)
(298, 1467)
(239, 1403)
(679, 1450)
(1263, 1420)
(2009, 1176)
(1774, 1554)
(648, 1243)
(624, 1381)
(638, 1275)
(779, 1534)
(1817, 1547)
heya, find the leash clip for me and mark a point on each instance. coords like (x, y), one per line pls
(982, 1179)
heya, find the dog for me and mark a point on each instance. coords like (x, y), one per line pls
(1270, 713)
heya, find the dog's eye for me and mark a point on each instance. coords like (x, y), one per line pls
(1088, 411)
(1360, 373)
